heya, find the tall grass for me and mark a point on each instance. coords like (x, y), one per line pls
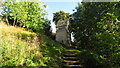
(19, 47)
(23, 48)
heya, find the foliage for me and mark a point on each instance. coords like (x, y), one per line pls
(46, 26)
(52, 50)
(90, 59)
(96, 29)
(26, 14)
(60, 15)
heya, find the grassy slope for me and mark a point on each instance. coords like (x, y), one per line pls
(24, 48)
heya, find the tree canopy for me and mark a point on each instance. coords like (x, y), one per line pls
(96, 29)
(26, 14)
(60, 15)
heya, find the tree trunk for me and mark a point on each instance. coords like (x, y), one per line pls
(7, 19)
(14, 20)
(14, 23)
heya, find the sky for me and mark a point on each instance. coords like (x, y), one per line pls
(57, 5)
(53, 7)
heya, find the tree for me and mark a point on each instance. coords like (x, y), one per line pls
(47, 27)
(96, 31)
(6, 9)
(28, 14)
(60, 15)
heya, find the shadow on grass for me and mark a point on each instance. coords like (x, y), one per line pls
(53, 51)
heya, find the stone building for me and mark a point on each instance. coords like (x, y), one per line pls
(62, 32)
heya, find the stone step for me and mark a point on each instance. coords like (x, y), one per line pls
(70, 52)
(70, 61)
(73, 66)
(73, 59)
(73, 50)
(69, 57)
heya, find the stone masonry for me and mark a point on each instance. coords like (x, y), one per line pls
(62, 32)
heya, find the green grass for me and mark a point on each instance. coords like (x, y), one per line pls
(24, 48)
(53, 50)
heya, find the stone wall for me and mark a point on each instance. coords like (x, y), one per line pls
(62, 32)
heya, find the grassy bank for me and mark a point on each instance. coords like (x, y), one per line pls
(23, 48)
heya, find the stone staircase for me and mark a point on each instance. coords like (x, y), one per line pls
(70, 58)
